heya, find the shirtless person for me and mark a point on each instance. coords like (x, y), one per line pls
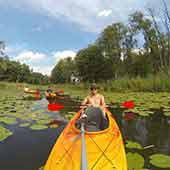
(94, 99)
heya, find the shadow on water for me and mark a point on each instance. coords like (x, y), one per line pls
(29, 150)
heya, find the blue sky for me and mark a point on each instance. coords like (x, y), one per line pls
(40, 32)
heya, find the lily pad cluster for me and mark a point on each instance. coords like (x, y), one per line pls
(145, 103)
(136, 160)
(23, 113)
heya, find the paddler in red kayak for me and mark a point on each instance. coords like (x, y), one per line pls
(94, 99)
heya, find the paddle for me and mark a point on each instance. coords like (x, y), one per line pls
(128, 104)
(129, 115)
(56, 122)
(83, 146)
(55, 107)
(58, 107)
(37, 94)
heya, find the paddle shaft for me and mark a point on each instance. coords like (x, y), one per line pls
(83, 149)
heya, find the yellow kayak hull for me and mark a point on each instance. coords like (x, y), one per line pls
(105, 149)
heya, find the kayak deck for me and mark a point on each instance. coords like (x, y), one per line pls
(105, 149)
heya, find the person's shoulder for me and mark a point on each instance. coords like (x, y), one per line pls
(100, 95)
(88, 97)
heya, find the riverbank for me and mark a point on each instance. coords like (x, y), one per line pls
(153, 83)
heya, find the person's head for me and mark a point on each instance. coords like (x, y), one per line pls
(93, 89)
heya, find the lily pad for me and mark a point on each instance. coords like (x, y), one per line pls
(4, 133)
(71, 113)
(160, 160)
(54, 126)
(38, 127)
(135, 161)
(133, 145)
(43, 121)
(167, 113)
(41, 168)
(24, 125)
(8, 120)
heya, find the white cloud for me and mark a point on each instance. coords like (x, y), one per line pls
(41, 62)
(30, 57)
(37, 61)
(46, 70)
(63, 54)
(105, 13)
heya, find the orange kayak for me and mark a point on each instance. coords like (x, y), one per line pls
(105, 149)
(30, 91)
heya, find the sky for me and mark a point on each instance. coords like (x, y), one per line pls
(41, 32)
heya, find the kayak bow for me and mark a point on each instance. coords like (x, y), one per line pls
(105, 148)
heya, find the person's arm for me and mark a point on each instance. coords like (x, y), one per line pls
(103, 104)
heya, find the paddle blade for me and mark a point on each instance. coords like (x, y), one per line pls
(37, 94)
(56, 122)
(129, 116)
(55, 107)
(128, 104)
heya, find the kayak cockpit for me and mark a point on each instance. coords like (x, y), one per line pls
(95, 120)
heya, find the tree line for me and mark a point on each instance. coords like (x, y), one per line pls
(13, 71)
(118, 51)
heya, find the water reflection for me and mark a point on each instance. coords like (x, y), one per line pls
(154, 130)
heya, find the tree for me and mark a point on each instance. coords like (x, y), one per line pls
(63, 70)
(2, 48)
(91, 64)
(152, 48)
(111, 42)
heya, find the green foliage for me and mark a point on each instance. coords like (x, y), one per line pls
(63, 71)
(91, 64)
(38, 78)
